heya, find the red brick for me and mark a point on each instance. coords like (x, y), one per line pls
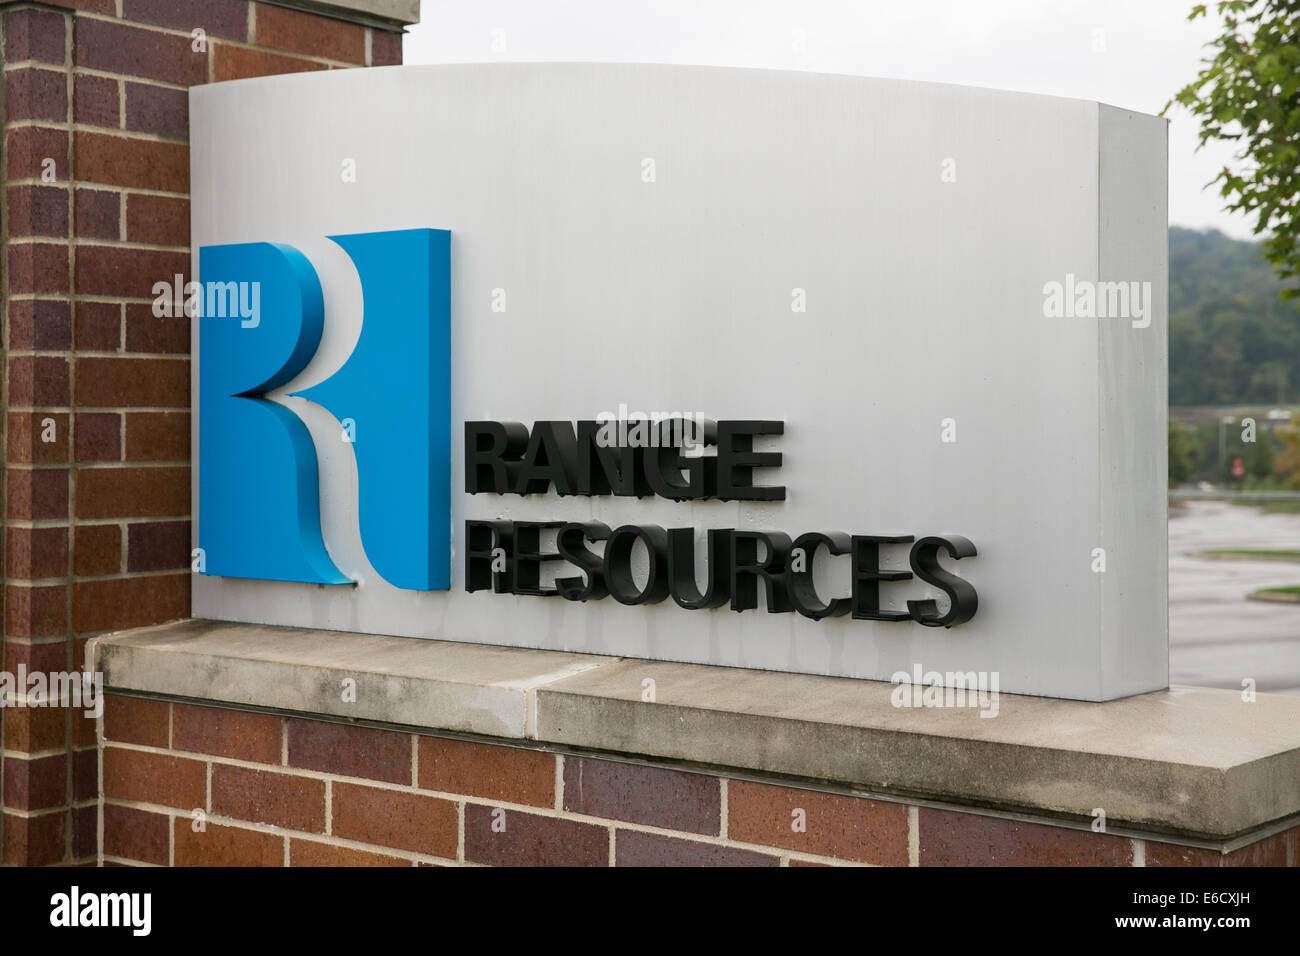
(124, 161)
(237, 63)
(277, 799)
(670, 799)
(34, 729)
(161, 110)
(34, 35)
(90, 6)
(40, 324)
(1170, 854)
(36, 783)
(311, 853)
(392, 818)
(157, 436)
(161, 220)
(529, 839)
(350, 751)
(158, 546)
(96, 101)
(34, 494)
(85, 774)
(223, 18)
(144, 777)
(40, 380)
(97, 549)
(146, 332)
(950, 838)
(633, 848)
(47, 657)
(34, 841)
(83, 727)
(129, 273)
(115, 603)
(1280, 849)
(98, 436)
(30, 146)
(36, 612)
(160, 492)
(85, 834)
(37, 210)
(116, 382)
(508, 774)
(36, 552)
(99, 326)
(36, 267)
(79, 660)
(226, 846)
(136, 720)
(385, 48)
(848, 828)
(300, 32)
(135, 51)
(99, 215)
(36, 94)
(135, 834)
(27, 433)
(236, 734)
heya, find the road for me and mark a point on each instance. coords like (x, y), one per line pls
(1217, 637)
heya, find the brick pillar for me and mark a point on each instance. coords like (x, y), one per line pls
(96, 502)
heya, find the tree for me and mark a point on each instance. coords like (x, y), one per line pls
(1287, 462)
(1184, 453)
(1249, 93)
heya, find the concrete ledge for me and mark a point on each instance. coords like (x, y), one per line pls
(467, 688)
(1194, 762)
(386, 14)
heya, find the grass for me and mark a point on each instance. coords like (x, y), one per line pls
(1284, 595)
(1246, 554)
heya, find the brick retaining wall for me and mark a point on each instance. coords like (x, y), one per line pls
(97, 394)
(276, 790)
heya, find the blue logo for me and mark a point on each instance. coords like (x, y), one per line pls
(259, 507)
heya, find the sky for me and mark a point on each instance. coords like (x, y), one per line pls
(1130, 53)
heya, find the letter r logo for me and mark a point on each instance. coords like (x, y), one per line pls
(259, 507)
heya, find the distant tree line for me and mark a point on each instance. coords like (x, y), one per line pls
(1232, 340)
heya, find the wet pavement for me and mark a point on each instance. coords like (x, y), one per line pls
(1217, 637)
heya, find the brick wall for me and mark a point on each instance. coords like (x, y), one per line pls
(96, 389)
(276, 790)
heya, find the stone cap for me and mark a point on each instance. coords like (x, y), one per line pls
(388, 14)
(1191, 761)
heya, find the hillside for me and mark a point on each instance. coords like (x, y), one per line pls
(1231, 339)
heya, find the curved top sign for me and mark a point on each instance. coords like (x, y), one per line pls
(946, 306)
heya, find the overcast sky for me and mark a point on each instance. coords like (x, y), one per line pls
(1129, 53)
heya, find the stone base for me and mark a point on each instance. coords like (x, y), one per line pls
(294, 746)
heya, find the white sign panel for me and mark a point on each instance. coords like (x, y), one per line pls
(952, 301)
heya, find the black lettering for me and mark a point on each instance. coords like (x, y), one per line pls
(867, 576)
(571, 542)
(492, 450)
(747, 570)
(803, 591)
(681, 568)
(618, 564)
(925, 562)
(737, 461)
